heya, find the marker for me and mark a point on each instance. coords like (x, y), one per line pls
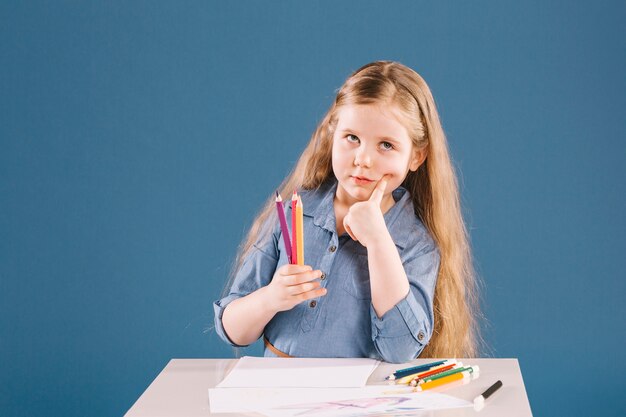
(432, 371)
(416, 369)
(471, 369)
(480, 400)
(442, 381)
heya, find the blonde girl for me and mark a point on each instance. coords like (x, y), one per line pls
(389, 272)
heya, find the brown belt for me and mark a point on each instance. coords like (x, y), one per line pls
(274, 350)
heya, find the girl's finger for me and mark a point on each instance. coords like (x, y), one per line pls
(297, 279)
(379, 190)
(303, 288)
(320, 292)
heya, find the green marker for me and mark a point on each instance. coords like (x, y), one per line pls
(471, 370)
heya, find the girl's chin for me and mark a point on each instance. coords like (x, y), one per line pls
(356, 193)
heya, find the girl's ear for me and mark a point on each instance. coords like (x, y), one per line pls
(418, 158)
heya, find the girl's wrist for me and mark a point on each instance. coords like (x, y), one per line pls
(266, 305)
(383, 240)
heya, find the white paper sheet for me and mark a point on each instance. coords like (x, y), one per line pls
(299, 372)
(324, 402)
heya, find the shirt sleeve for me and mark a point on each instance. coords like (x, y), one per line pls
(256, 271)
(401, 334)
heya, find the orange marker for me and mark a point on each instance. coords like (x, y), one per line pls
(442, 381)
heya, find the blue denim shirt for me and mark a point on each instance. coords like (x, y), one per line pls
(343, 323)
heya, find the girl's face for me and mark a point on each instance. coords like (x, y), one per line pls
(370, 142)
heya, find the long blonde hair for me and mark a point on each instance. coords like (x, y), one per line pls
(433, 188)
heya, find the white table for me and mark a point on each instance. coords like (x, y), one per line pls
(181, 389)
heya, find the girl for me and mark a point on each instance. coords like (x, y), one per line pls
(392, 276)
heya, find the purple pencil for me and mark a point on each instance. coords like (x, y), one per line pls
(283, 224)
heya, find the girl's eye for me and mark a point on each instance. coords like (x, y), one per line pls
(353, 139)
(386, 146)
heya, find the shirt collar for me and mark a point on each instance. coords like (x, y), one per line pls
(318, 204)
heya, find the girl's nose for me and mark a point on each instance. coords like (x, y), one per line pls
(362, 158)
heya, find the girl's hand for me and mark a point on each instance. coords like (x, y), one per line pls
(364, 221)
(293, 284)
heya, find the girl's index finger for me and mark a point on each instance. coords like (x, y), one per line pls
(303, 277)
(379, 191)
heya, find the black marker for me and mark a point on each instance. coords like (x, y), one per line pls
(480, 400)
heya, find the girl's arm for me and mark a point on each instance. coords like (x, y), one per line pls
(402, 331)
(245, 318)
(388, 280)
(365, 223)
(401, 309)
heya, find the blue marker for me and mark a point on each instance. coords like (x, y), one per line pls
(416, 369)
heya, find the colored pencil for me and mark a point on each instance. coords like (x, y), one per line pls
(442, 381)
(415, 369)
(300, 228)
(283, 225)
(294, 229)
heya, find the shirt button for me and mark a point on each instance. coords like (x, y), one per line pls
(332, 248)
(420, 336)
(323, 277)
(312, 304)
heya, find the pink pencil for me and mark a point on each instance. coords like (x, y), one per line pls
(283, 224)
(294, 234)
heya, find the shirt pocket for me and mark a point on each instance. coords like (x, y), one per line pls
(357, 282)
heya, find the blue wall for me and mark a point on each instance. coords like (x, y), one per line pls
(139, 139)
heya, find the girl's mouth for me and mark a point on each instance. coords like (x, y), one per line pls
(361, 180)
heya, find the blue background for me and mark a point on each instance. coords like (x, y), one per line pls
(138, 140)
